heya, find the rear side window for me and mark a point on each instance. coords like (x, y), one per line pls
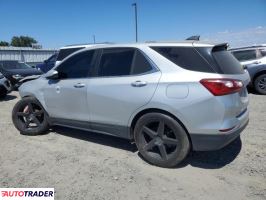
(63, 53)
(245, 55)
(202, 59)
(140, 64)
(77, 66)
(122, 62)
(185, 57)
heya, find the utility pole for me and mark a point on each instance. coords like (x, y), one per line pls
(93, 38)
(136, 20)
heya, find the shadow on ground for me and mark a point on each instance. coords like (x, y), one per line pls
(214, 159)
(8, 98)
(206, 160)
(96, 138)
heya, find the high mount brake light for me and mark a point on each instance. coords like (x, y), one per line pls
(221, 86)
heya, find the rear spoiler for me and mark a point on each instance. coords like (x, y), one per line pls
(220, 47)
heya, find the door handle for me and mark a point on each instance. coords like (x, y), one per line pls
(256, 62)
(139, 83)
(79, 85)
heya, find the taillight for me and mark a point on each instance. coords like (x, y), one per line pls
(220, 86)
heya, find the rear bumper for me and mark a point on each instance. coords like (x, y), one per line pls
(210, 142)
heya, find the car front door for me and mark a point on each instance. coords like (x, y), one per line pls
(125, 81)
(66, 97)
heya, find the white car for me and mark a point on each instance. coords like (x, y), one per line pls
(250, 55)
(169, 98)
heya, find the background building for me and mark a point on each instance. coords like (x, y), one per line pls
(29, 55)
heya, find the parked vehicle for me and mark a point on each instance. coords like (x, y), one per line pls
(47, 64)
(5, 86)
(254, 60)
(69, 49)
(168, 98)
(14, 71)
(250, 55)
(258, 77)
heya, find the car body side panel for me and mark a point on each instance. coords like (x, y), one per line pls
(112, 100)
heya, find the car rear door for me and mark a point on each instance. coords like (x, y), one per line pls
(126, 80)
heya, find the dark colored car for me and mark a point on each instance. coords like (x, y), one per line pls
(5, 86)
(14, 71)
(258, 77)
(47, 64)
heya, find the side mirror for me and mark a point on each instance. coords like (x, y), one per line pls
(53, 74)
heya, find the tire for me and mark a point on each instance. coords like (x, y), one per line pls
(260, 84)
(161, 140)
(3, 92)
(29, 117)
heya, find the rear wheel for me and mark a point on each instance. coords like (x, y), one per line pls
(161, 140)
(29, 117)
(260, 84)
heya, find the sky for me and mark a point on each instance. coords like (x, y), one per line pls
(55, 23)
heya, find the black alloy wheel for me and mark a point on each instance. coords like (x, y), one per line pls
(161, 140)
(29, 117)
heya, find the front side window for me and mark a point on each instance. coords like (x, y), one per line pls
(245, 55)
(122, 62)
(77, 66)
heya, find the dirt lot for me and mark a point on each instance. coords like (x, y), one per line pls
(84, 165)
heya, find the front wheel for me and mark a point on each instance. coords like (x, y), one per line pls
(29, 117)
(161, 140)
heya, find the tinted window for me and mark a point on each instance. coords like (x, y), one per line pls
(140, 64)
(263, 52)
(14, 65)
(227, 62)
(52, 58)
(185, 57)
(63, 53)
(116, 62)
(245, 55)
(77, 66)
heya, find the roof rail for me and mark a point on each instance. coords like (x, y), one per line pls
(88, 44)
(253, 46)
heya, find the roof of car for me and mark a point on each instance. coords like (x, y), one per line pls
(144, 44)
(248, 47)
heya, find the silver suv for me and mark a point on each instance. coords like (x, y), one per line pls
(169, 98)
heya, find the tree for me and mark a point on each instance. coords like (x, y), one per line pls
(22, 41)
(4, 44)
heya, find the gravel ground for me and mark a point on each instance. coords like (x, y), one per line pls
(82, 165)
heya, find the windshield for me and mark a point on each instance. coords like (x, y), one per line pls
(14, 65)
(63, 53)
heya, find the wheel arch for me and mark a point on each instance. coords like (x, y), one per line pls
(155, 110)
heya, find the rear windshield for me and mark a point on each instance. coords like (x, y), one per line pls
(14, 65)
(63, 53)
(245, 55)
(202, 59)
